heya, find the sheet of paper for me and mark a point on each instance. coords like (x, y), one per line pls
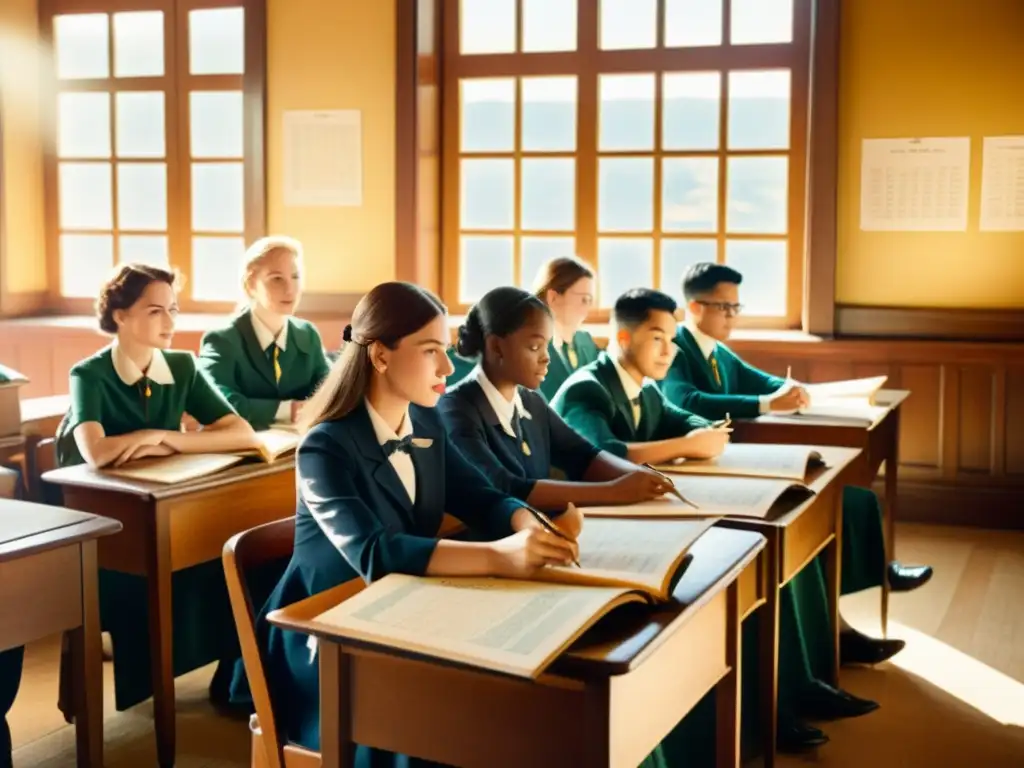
(511, 626)
(1002, 184)
(323, 158)
(758, 460)
(915, 185)
(860, 388)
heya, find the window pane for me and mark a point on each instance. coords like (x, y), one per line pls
(759, 109)
(693, 23)
(677, 256)
(488, 194)
(216, 265)
(139, 44)
(763, 265)
(629, 24)
(625, 200)
(762, 21)
(217, 41)
(537, 250)
(140, 124)
(627, 112)
(488, 26)
(486, 263)
(144, 249)
(142, 196)
(758, 195)
(623, 263)
(85, 263)
(216, 124)
(83, 121)
(488, 115)
(549, 194)
(549, 114)
(549, 25)
(691, 105)
(689, 194)
(82, 44)
(85, 196)
(218, 197)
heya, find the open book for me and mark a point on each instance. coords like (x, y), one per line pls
(273, 444)
(843, 402)
(791, 462)
(515, 626)
(863, 390)
(715, 495)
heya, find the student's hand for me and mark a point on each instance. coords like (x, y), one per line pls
(148, 451)
(639, 485)
(145, 438)
(297, 409)
(790, 401)
(189, 424)
(522, 554)
(805, 396)
(705, 443)
(570, 522)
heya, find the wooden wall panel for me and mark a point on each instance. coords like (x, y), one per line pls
(921, 418)
(975, 415)
(1014, 443)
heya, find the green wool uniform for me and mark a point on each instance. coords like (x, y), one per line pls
(566, 358)
(599, 401)
(240, 360)
(720, 383)
(108, 388)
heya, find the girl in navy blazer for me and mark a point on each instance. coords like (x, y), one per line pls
(376, 472)
(501, 423)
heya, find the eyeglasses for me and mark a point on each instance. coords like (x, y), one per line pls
(730, 310)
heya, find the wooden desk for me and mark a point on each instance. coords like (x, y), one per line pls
(880, 443)
(168, 528)
(50, 553)
(795, 535)
(40, 416)
(607, 702)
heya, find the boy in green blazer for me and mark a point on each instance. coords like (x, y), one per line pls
(616, 404)
(266, 362)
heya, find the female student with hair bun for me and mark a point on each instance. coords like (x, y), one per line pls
(127, 402)
(266, 361)
(376, 473)
(501, 424)
(566, 285)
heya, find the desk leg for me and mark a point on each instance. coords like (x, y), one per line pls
(87, 655)
(892, 464)
(727, 692)
(336, 747)
(769, 651)
(161, 648)
(833, 583)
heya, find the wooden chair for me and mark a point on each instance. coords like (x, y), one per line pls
(42, 457)
(242, 553)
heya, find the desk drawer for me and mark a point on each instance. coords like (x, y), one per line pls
(40, 595)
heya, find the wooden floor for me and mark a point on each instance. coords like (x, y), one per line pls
(954, 697)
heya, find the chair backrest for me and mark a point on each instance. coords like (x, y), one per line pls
(242, 553)
(42, 457)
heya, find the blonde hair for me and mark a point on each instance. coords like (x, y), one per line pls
(261, 249)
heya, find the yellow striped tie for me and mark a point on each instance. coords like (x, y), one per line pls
(277, 364)
(714, 370)
(574, 361)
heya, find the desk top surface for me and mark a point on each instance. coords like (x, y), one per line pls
(84, 476)
(27, 528)
(618, 642)
(40, 408)
(890, 399)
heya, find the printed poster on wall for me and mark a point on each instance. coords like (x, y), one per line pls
(1002, 184)
(323, 158)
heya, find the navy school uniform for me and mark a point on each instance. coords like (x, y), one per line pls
(365, 511)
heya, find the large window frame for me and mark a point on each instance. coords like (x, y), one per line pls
(177, 83)
(586, 63)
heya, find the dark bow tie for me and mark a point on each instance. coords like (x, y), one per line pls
(403, 445)
(635, 401)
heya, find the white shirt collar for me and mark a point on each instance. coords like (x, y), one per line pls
(705, 343)
(265, 336)
(383, 431)
(504, 409)
(629, 384)
(159, 372)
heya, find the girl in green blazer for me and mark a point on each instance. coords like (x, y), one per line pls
(566, 285)
(127, 402)
(266, 361)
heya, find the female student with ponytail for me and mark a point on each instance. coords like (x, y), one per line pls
(266, 362)
(497, 420)
(376, 472)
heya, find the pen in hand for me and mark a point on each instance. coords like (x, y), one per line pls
(675, 491)
(549, 526)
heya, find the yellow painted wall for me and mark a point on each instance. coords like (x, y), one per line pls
(336, 54)
(22, 150)
(929, 69)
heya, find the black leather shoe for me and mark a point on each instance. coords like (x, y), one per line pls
(903, 578)
(797, 736)
(855, 648)
(820, 701)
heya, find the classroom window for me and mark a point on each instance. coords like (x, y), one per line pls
(641, 135)
(158, 124)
